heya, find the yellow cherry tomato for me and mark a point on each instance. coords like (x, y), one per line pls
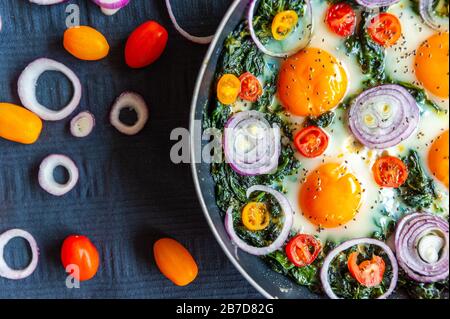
(175, 262)
(17, 124)
(228, 89)
(255, 216)
(86, 43)
(283, 24)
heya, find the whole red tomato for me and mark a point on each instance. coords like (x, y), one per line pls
(81, 252)
(145, 45)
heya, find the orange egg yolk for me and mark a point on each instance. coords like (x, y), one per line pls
(311, 82)
(431, 65)
(438, 160)
(331, 196)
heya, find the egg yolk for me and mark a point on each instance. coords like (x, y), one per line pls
(438, 160)
(331, 196)
(312, 82)
(431, 65)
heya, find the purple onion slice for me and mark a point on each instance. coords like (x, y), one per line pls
(13, 274)
(376, 3)
(384, 116)
(348, 244)
(409, 233)
(427, 11)
(284, 50)
(251, 145)
(282, 237)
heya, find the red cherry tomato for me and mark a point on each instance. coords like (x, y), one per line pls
(341, 19)
(79, 251)
(390, 171)
(302, 250)
(145, 45)
(311, 142)
(369, 273)
(385, 29)
(251, 89)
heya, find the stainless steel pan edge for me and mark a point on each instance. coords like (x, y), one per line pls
(268, 283)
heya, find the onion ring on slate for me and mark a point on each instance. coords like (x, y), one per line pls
(5, 270)
(111, 4)
(348, 244)
(47, 180)
(27, 89)
(132, 101)
(184, 33)
(284, 234)
(384, 116)
(47, 2)
(82, 124)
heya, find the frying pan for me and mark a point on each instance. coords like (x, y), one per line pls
(269, 283)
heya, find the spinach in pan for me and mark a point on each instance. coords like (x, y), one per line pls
(370, 55)
(240, 54)
(419, 191)
(267, 11)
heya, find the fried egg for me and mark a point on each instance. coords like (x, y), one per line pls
(311, 82)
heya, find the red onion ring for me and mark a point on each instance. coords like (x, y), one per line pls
(27, 89)
(303, 44)
(82, 124)
(435, 22)
(47, 2)
(346, 245)
(390, 129)
(47, 180)
(5, 270)
(408, 233)
(376, 3)
(265, 150)
(135, 102)
(284, 234)
(184, 33)
(111, 4)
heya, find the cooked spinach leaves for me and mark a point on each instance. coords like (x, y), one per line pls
(240, 54)
(267, 11)
(345, 286)
(370, 55)
(419, 191)
(322, 121)
(305, 276)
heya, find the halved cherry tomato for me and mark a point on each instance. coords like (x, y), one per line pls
(385, 29)
(251, 89)
(145, 45)
(369, 273)
(255, 216)
(283, 24)
(311, 141)
(228, 89)
(302, 250)
(80, 252)
(341, 19)
(175, 262)
(390, 171)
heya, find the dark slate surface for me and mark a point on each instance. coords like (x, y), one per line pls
(129, 194)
